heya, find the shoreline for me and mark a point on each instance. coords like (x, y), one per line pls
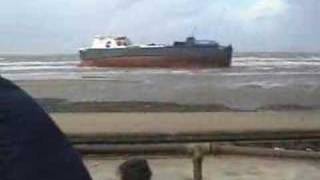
(171, 93)
(62, 105)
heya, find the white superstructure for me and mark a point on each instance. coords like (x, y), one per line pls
(109, 42)
(103, 42)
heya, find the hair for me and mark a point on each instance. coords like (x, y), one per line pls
(135, 169)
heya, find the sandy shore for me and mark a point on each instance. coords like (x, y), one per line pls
(170, 123)
(221, 92)
(64, 106)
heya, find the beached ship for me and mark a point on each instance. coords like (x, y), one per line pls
(120, 52)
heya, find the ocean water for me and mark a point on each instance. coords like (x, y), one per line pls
(254, 80)
(43, 67)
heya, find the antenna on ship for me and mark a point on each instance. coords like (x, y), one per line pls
(194, 30)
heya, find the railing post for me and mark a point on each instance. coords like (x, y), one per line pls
(197, 163)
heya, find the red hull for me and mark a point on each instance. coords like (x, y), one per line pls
(158, 61)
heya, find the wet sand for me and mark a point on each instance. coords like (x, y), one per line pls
(219, 167)
(236, 93)
(172, 123)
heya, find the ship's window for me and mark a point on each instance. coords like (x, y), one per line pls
(107, 45)
(119, 43)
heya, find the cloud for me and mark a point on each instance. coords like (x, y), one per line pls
(265, 8)
(300, 27)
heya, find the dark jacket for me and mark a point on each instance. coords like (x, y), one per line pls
(31, 145)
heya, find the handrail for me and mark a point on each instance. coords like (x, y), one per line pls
(196, 151)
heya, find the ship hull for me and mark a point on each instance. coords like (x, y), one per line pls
(158, 57)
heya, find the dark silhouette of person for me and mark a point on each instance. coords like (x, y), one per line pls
(31, 146)
(135, 169)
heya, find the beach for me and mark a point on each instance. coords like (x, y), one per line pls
(255, 81)
(203, 90)
(55, 93)
(261, 92)
(173, 123)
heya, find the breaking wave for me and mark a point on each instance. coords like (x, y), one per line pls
(276, 62)
(38, 63)
(66, 67)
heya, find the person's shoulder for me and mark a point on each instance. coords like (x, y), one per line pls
(5, 83)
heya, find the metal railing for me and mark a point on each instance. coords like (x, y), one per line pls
(195, 151)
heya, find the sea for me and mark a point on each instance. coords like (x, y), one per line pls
(255, 80)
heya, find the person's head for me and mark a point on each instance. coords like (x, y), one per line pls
(135, 169)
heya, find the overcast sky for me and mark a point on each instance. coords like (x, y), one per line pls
(63, 26)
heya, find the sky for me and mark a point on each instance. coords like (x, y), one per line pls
(64, 26)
